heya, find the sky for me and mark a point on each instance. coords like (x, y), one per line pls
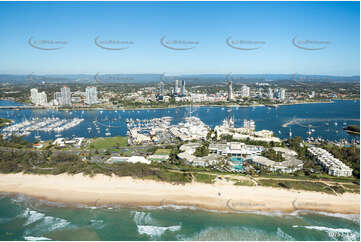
(331, 27)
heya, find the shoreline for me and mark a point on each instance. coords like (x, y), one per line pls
(170, 107)
(102, 190)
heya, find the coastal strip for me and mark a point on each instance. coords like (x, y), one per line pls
(126, 191)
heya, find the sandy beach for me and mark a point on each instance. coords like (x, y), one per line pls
(105, 190)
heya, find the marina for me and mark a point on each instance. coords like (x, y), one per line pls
(109, 123)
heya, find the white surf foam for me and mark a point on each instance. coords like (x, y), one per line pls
(235, 233)
(333, 233)
(32, 238)
(155, 231)
(47, 224)
(171, 206)
(33, 216)
(56, 223)
(142, 218)
(98, 224)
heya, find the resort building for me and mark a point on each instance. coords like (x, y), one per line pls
(330, 164)
(285, 151)
(287, 166)
(235, 149)
(187, 155)
(246, 132)
(159, 130)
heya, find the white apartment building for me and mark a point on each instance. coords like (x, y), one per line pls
(38, 98)
(330, 164)
(270, 93)
(65, 96)
(282, 94)
(245, 91)
(91, 95)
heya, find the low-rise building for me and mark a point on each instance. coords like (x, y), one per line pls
(330, 164)
(131, 159)
(235, 149)
(285, 151)
(288, 166)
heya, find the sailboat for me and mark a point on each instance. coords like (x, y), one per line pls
(37, 136)
(107, 129)
(309, 132)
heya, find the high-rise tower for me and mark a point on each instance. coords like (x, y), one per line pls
(230, 92)
(183, 88)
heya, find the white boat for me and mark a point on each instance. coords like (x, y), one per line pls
(108, 134)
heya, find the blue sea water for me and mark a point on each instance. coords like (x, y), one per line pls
(24, 218)
(315, 116)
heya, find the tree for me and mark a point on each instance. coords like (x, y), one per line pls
(202, 151)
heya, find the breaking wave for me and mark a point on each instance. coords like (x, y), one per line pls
(336, 234)
(31, 238)
(156, 231)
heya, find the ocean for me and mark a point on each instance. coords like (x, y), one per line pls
(298, 118)
(25, 218)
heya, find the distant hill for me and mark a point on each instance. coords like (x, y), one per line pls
(151, 78)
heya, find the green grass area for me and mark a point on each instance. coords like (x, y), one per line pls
(244, 183)
(352, 188)
(109, 143)
(301, 185)
(321, 176)
(204, 178)
(163, 151)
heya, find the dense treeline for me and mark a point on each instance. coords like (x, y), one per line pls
(14, 159)
(15, 142)
(296, 144)
(353, 129)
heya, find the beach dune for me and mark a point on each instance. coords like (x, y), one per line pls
(105, 190)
